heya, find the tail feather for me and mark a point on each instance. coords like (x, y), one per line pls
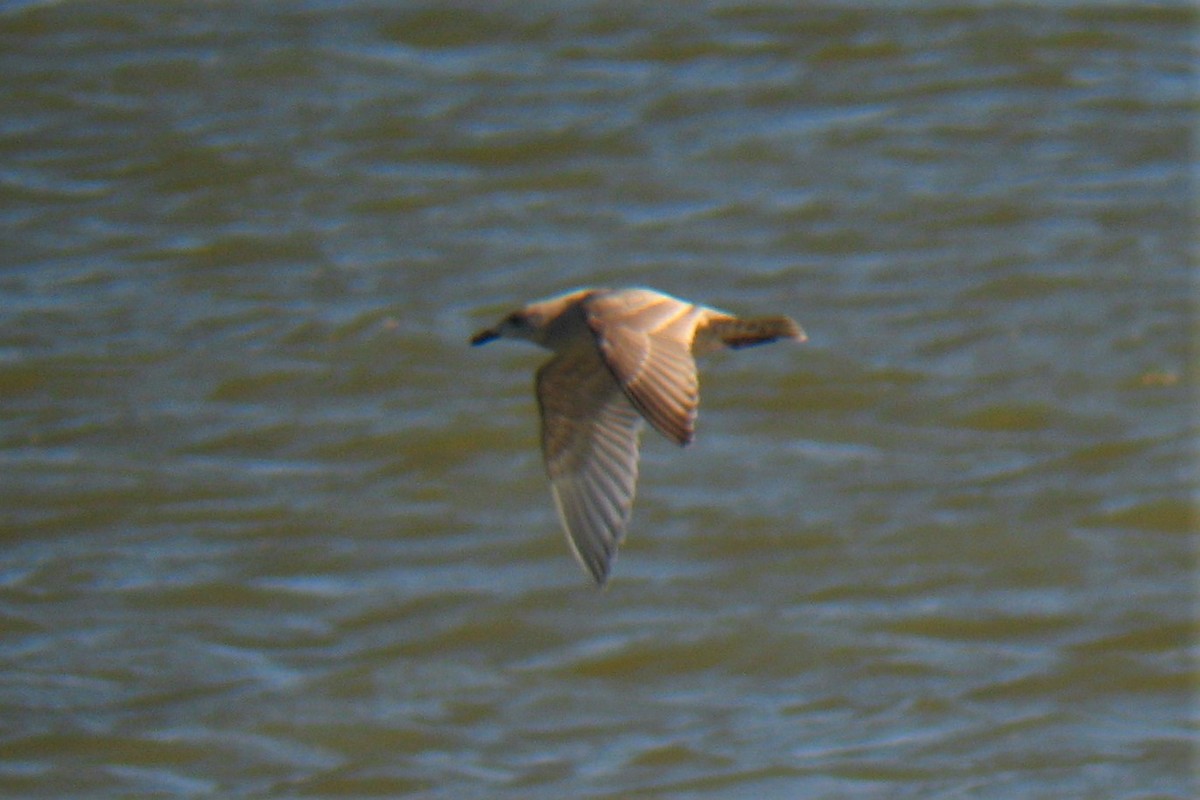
(736, 333)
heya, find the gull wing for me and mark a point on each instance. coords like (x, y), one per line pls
(645, 339)
(590, 445)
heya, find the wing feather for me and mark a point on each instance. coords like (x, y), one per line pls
(590, 437)
(646, 339)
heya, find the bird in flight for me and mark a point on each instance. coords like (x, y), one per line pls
(620, 357)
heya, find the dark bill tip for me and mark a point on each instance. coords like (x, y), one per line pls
(483, 337)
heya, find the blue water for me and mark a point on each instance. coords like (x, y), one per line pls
(272, 529)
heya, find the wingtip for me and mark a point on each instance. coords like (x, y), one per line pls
(599, 569)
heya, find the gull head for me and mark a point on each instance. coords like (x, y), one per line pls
(523, 324)
(549, 323)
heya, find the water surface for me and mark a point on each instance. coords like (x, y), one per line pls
(271, 529)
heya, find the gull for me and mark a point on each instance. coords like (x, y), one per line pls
(620, 357)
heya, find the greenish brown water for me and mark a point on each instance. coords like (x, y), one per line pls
(271, 529)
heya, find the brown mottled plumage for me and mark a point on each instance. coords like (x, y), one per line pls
(620, 356)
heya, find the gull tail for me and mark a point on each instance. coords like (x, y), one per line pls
(736, 333)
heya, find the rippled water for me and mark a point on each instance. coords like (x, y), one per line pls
(270, 528)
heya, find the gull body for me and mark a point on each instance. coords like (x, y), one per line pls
(620, 357)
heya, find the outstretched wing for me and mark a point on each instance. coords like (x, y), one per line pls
(590, 445)
(645, 339)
